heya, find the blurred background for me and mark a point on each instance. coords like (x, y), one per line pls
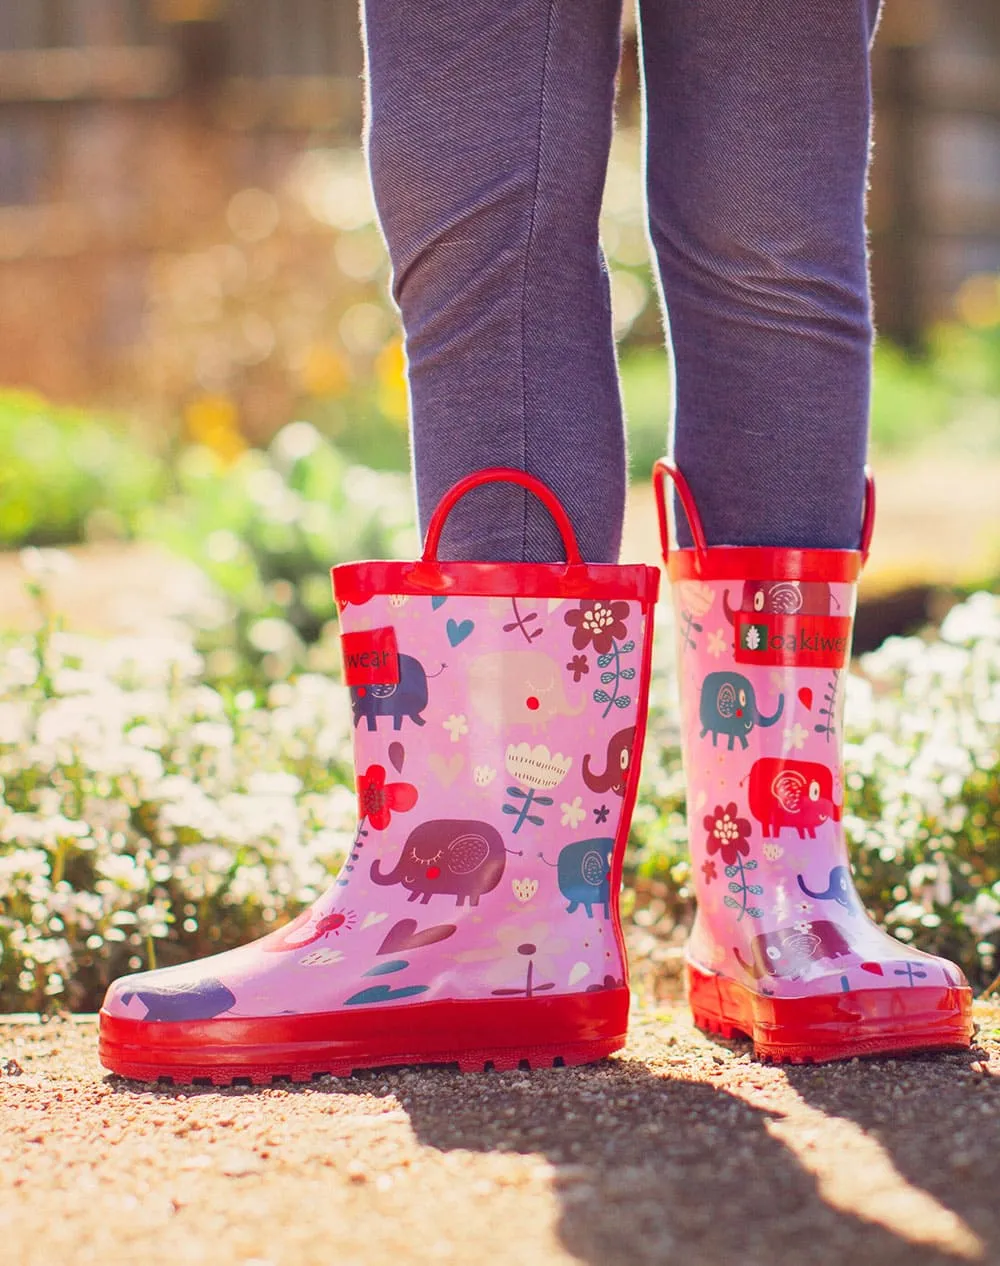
(189, 261)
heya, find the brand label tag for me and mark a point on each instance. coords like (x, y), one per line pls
(371, 658)
(810, 641)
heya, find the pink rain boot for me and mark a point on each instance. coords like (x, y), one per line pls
(499, 713)
(781, 949)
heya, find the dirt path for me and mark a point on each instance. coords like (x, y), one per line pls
(681, 1150)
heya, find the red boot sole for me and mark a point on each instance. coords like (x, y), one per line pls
(832, 1026)
(476, 1035)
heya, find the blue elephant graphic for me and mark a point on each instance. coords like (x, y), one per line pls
(729, 706)
(404, 698)
(839, 888)
(583, 870)
(200, 1000)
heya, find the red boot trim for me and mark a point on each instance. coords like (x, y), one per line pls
(831, 1026)
(358, 582)
(762, 562)
(540, 1032)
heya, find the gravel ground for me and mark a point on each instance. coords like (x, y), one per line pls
(681, 1149)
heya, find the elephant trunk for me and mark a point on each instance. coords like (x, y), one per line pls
(382, 878)
(727, 609)
(764, 721)
(596, 782)
(753, 970)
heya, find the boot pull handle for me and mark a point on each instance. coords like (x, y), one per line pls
(663, 469)
(501, 474)
(868, 516)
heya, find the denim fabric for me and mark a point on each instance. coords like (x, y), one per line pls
(488, 133)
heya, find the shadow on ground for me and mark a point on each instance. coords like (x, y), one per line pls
(649, 1166)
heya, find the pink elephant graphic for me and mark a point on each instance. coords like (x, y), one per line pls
(519, 688)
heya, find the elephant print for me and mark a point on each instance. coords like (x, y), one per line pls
(449, 856)
(787, 952)
(781, 597)
(729, 706)
(404, 698)
(616, 766)
(797, 794)
(583, 871)
(523, 687)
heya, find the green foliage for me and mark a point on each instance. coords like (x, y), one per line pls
(147, 818)
(66, 473)
(267, 529)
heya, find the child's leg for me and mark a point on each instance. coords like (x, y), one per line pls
(489, 126)
(758, 119)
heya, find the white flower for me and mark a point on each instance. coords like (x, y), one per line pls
(794, 736)
(803, 926)
(398, 599)
(483, 775)
(456, 725)
(982, 915)
(537, 766)
(717, 643)
(573, 813)
(772, 851)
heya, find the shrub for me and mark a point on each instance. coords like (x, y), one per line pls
(267, 528)
(148, 818)
(66, 474)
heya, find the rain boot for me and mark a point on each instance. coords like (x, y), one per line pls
(499, 711)
(781, 949)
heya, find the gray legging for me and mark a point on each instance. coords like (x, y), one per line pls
(489, 127)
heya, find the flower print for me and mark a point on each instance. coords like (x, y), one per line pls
(803, 926)
(794, 736)
(378, 800)
(695, 596)
(321, 958)
(398, 599)
(483, 775)
(536, 766)
(598, 624)
(772, 851)
(728, 835)
(456, 726)
(717, 643)
(804, 906)
(709, 871)
(601, 814)
(578, 666)
(573, 813)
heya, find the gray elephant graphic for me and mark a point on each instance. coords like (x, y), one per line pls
(729, 706)
(404, 698)
(583, 870)
(199, 1000)
(616, 766)
(449, 856)
(839, 888)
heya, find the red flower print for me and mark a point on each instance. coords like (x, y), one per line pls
(578, 666)
(728, 835)
(709, 871)
(378, 800)
(597, 624)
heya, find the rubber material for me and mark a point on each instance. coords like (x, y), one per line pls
(762, 562)
(831, 1026)
(357, 582)
(568, 1030)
